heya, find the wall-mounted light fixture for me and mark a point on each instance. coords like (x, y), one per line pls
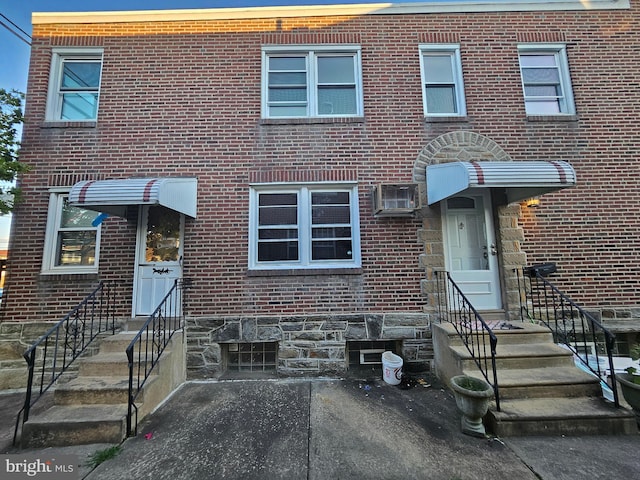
(532, 202)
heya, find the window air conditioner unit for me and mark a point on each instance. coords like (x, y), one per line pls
(397, 200)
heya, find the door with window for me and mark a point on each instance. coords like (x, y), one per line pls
(470, 249)
(159, 256)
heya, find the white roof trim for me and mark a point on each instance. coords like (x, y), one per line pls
(113, 196)
(520, 180)
(461, 6)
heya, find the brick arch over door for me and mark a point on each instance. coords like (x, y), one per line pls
(466, 146)
(459, 146)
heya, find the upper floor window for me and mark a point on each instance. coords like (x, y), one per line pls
(74, 85)
(72, 242)
(311, 82)
(443, 90)
(308, 226)
(545, 79)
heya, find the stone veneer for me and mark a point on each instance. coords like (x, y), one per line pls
(307, 345)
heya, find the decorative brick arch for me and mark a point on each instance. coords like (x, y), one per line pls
(458, 146)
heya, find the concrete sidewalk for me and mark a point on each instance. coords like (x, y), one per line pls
(342, 429)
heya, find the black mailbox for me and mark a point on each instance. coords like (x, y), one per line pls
(542, 269)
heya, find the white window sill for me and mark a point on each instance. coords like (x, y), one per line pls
(274, 272)
(310, 120)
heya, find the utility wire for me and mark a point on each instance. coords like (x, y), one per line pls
(19, 35)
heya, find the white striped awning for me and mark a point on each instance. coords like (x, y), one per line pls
(114, 196)
(520, 180)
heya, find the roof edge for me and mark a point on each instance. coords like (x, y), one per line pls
(461, 6)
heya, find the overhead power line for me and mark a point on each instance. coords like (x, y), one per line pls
(20, 35)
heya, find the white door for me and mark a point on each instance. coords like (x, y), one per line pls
(470, 248)
(159, 256)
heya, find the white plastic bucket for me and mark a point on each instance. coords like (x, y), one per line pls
(391, 368)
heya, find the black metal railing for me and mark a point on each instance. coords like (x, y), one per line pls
(52, 354)
(144, 351)
(455, 308)
(571, 326)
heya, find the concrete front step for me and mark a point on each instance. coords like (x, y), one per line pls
(508, 333)
(111, 364)
(520, 356)
(117, 343)
(544, 382)
(97, 390)
(560, 416)
(63, 425)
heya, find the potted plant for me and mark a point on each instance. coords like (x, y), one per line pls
(630, 386)
(472, 398)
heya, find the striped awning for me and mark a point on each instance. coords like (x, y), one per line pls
(520, 180)
(114, 196)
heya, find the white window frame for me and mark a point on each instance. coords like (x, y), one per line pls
(559, 52)
(55, 96)
(304, 225)
(49, 267)
(312, 53)
(453, 51)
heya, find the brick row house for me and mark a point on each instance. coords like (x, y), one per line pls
(310, 168)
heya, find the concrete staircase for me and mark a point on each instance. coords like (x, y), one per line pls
(92, 407)
(542, 392)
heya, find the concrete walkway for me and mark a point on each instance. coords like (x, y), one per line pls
(342, 429)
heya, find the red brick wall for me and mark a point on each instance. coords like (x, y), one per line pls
(183, 98)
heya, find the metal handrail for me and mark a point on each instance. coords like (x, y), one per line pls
(476, 335)
(572, 326)
(59, 347)
(144, 351)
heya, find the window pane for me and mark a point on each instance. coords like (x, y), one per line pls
(543, 108)
(277, 251)
(80, 75)
(335, 70)
(278, 216)
(75, 217)
(79, 106)
(328, 232)
(331, 250)
(538, 60)
(330, 198)
(271, 199)
(441, 100)
(298, 95)
(337, 100)
(438, 69)
(327, 214)
(540, 75)
(76, 248)
(287, 111)
(277, 233)
(163, 235)
(290, 78)
(542, 90)
(287, 63)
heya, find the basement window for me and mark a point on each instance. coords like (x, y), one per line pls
(368, 353)
(252, 357)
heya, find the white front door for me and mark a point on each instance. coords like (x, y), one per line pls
(159, 256)
(470, 248)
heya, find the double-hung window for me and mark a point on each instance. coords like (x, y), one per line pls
(311, 82)
(306, 226)
(442, 84)
(72, 241)
(74, 85)
(545, 79)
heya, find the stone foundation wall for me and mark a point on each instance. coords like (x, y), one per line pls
(307, 345)
(15, 339)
